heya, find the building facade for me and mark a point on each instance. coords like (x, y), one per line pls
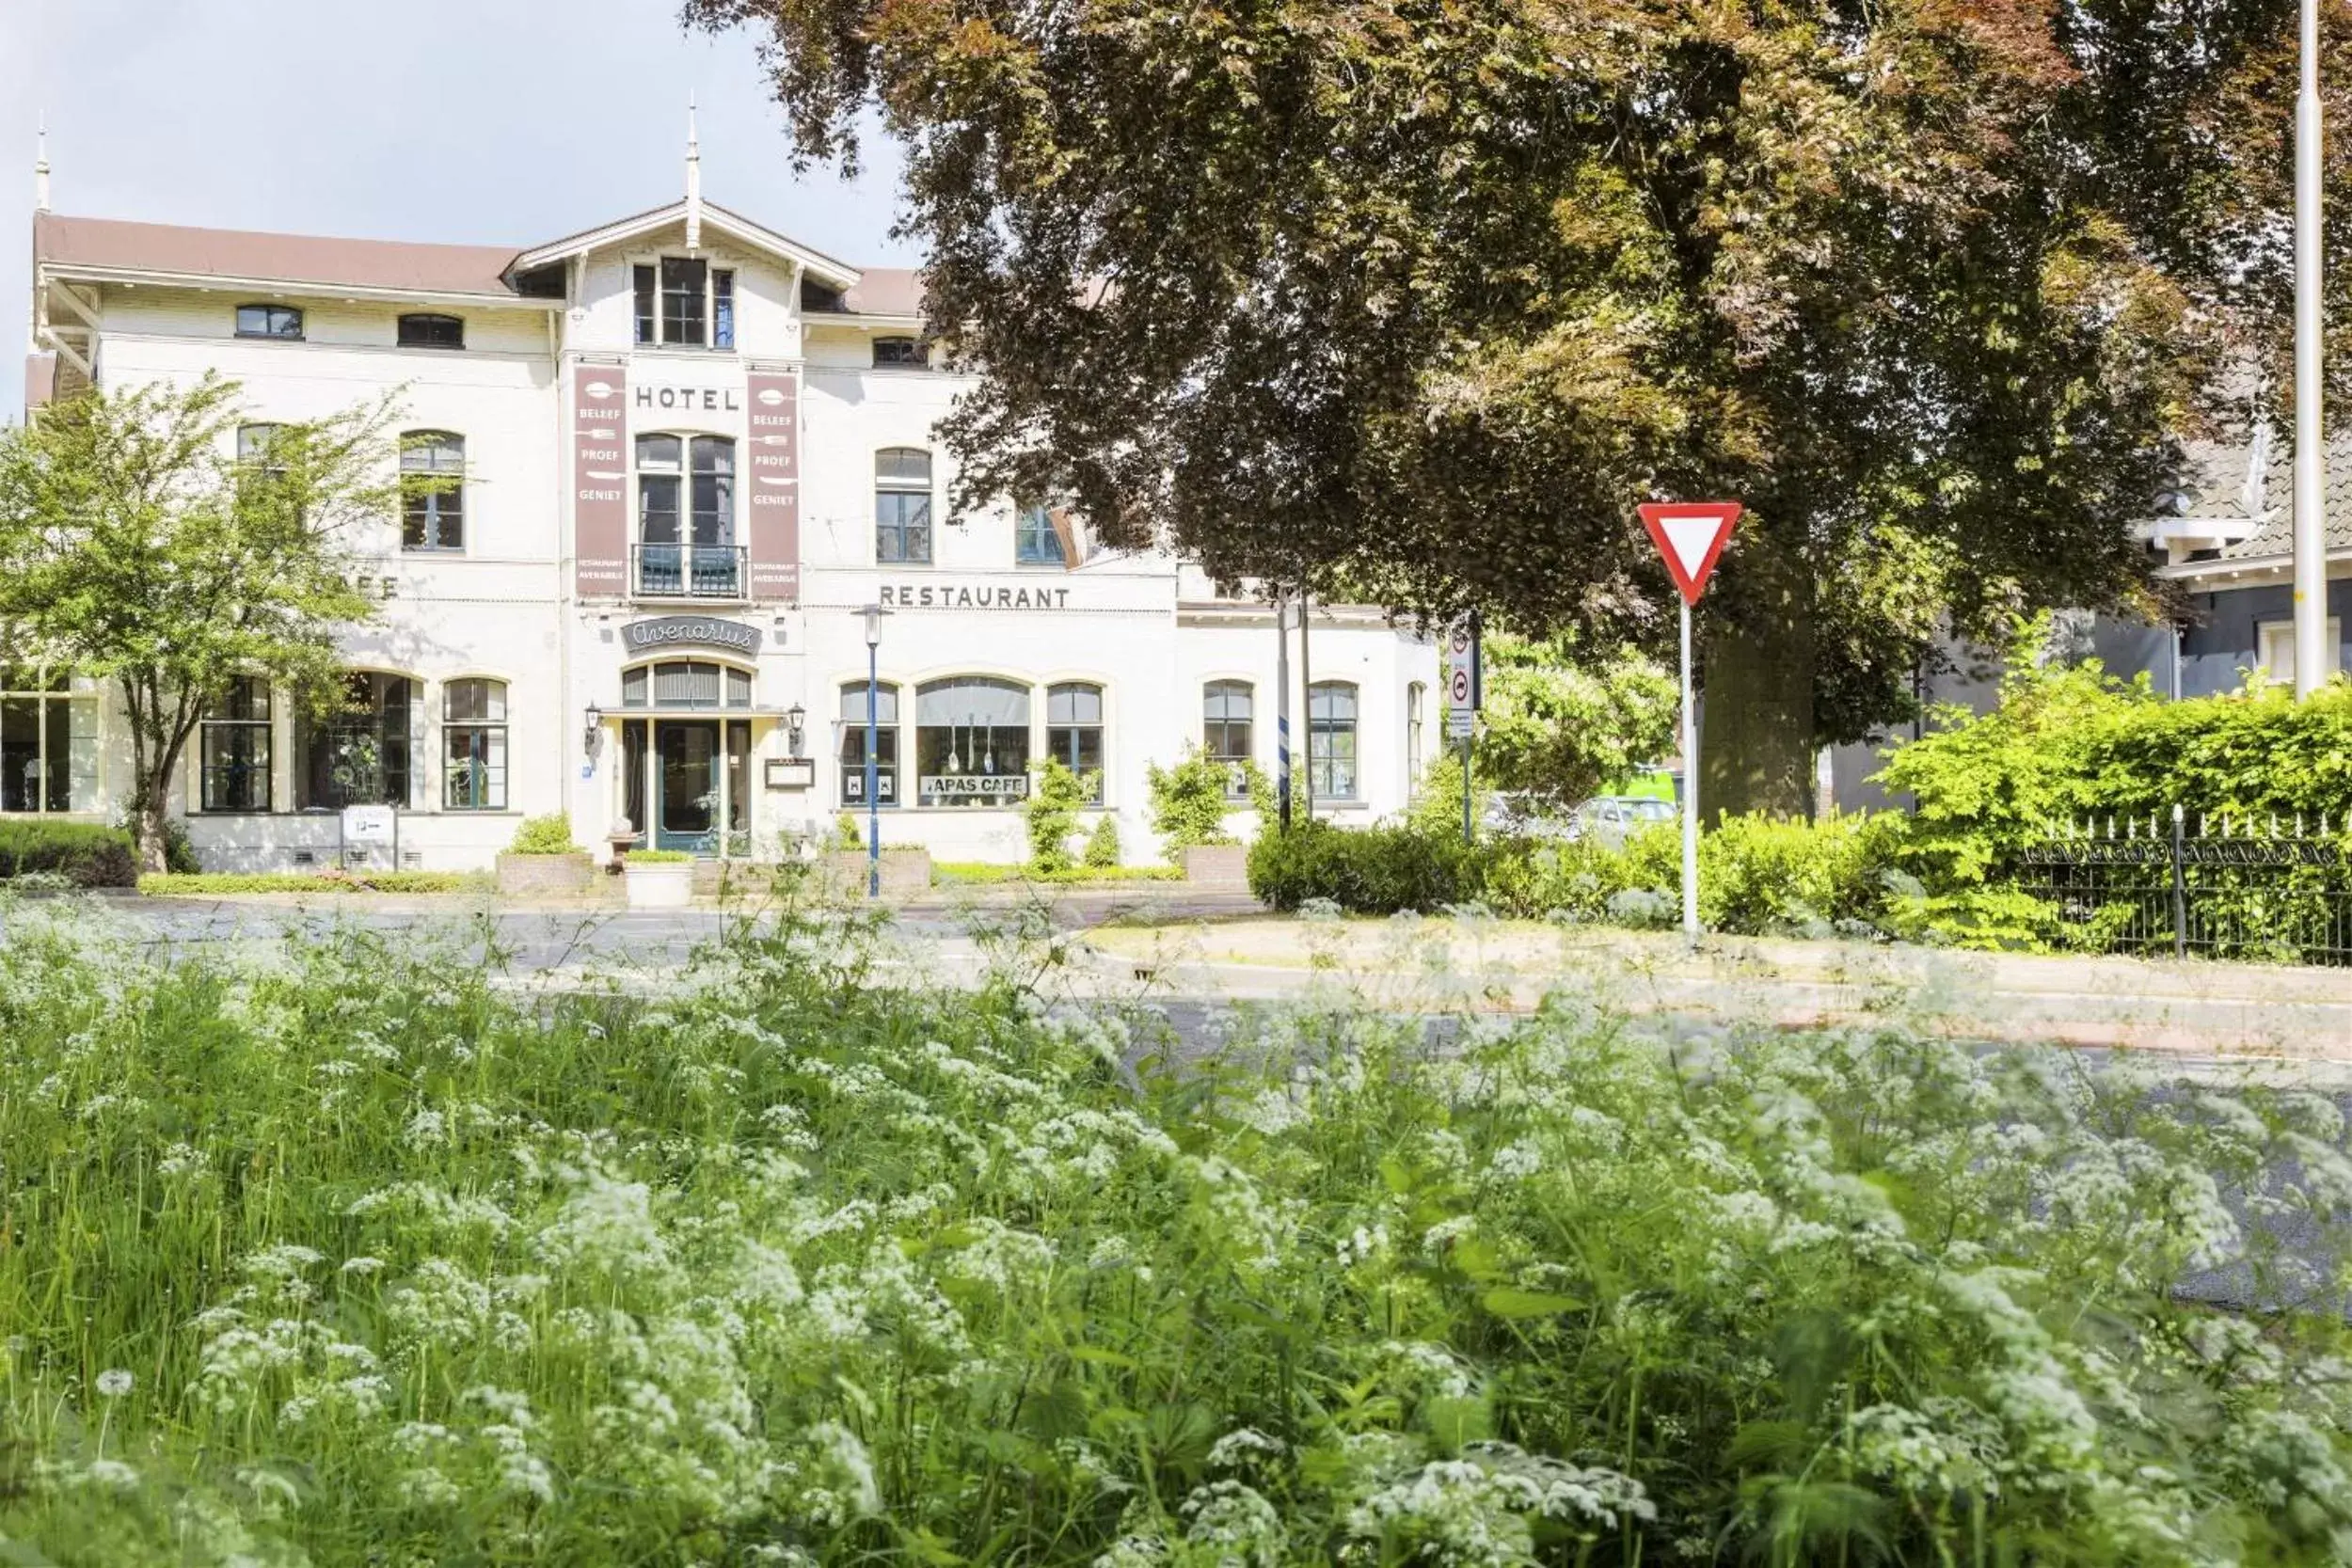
(655, 472)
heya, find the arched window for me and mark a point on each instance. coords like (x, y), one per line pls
(1073, 730)
(269, 320)
(1228, 710)
(48, 741)
(686, 518)
(900, 354)
(685, 682)
(422, 329)
(234, 748)
(357, 755)
(903, 506)
(971, 742)
(431, 490)
(473, 745)
(853, 744)
(1331, 740)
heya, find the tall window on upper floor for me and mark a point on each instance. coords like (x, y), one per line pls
(431, 490)
(473, 745)
(1036, 541)
(686, 516)
(269, 320)
(422, 329)
(1228, 713)
(1073, 730)
(684, 302)
(903, 505)
(1331, 740)
(236, 748)
(900, 354)
(48, 741)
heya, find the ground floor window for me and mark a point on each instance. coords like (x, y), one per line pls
(48, 743)
(1414, 695)
(685, 682)
(1331, 740)
(234, 748)
(853, 744)
(473, 745)
(357, 755)
(1227, 711)
(1073, 730)
(972, 742)
(2275, 649)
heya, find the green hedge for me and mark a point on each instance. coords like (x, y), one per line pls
(83, 852)
(203, 883)
(1365, 870)
(979, 873)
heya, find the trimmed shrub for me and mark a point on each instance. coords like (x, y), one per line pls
(1365, 870)
(1189, 803)
(656, 857)
(84, 854)
(1051, 814)
(1102, 848)
(550, 834)
(167, 884)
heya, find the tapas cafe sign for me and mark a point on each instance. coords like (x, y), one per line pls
(670, 632)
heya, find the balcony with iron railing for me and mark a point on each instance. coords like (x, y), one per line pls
(690, 572)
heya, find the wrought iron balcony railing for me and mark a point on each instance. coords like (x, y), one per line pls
(690, 572)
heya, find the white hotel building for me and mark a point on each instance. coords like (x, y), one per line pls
(690, 450)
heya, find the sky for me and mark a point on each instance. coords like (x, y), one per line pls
(476, 121)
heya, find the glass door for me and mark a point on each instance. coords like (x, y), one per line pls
(686, 775)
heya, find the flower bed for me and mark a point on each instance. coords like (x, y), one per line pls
(373, 1261)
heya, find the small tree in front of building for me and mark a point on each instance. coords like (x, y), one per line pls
(140, 545)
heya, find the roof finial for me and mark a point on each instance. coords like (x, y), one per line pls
(693, 180)
(41, 167)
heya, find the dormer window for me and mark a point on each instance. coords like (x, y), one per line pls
(420, 329)
(900, 354)
(269, 320)
(684, 303)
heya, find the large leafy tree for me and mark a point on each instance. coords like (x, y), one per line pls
(1421, 297)
(137, 545)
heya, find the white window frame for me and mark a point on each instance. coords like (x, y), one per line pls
(2274, 649)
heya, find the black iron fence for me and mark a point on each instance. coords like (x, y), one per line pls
(2218, 887)
(691, 571)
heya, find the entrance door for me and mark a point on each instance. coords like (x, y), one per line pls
(686, 780)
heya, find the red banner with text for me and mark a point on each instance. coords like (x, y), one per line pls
(775, 484)
(599, 481)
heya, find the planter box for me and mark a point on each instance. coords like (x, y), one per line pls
(572, 871)
(1218, 864)
(902, 870)
(662, 885)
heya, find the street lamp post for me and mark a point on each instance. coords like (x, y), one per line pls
(873, 613)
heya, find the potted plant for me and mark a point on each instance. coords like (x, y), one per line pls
(544, 859)
(658, 879)
(1189, 803)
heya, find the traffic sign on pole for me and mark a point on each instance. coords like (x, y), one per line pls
(1691, 535)
(1462, 692)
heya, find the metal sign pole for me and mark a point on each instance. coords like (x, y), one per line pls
(1282, 706)
(1690, 793)
(873, 799)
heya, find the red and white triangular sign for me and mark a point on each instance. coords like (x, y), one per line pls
(1691, 535)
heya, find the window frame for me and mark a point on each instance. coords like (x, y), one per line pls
(1032, 524)
(456, 343)
(906, 352)
(849, 753)
(272, 331)
(1324, 761)
(487, 744)
(902, 489)
(441, 491)
(1416, 750)
(244, 727)
(653, 324)
(54, 689)
(1010, 767)
(639, 690)
(372, 722)
(1217, 730)
(1065, 740)
(2281, 634)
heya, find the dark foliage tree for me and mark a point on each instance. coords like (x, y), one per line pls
(1420, 298)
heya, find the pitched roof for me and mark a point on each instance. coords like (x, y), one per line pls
(713, 215)
(393, 266)
(2217, 472)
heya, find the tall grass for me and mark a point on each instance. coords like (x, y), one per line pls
(359, 1259)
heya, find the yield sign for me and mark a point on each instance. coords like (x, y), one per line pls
(1689, 534)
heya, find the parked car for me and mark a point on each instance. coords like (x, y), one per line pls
(1611, 818)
